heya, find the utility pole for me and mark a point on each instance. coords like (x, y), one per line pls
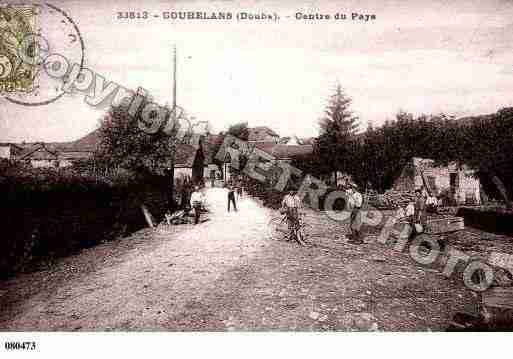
(171, 194)
(174, 78)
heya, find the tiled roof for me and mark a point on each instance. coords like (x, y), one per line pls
(75, 155)
(290, 151)
(214, 139)
(5, 144)
(282, 152)
(260, 133)
(80, 149)
(38, 152)
(265, 146)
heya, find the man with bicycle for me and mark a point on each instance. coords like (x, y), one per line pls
(291, 206)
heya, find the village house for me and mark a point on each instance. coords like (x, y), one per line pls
(58, 154)
(189, 160)
(458, 183)
(213, 169)
(262, 138)
(195, 162)
(9, 150)
(52, 154)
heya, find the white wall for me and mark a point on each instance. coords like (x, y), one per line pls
(183, 171)
(65, 163)
(42, 163)
(467, 187)
(210, 167)
(5, 151)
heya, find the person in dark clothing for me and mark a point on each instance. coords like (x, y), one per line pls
(239, 188)
(171, 203)
(419, 217)
(231, 197)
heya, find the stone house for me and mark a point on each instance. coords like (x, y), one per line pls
(281, 152)
(458, 183)
(189, 162)
(54, 154)
(213, 169)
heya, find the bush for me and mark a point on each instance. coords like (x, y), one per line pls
(53, 213)
(272, 198)
(498, 220)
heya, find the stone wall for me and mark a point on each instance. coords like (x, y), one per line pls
(466, 190)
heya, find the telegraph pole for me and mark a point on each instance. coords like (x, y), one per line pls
(171, 194)
(174, 78)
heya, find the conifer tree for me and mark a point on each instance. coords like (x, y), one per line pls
(338, 127)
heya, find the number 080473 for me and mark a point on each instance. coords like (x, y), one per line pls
(20, 345)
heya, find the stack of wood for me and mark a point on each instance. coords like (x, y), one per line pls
(179, 217)
(444, 224)
(391, 199)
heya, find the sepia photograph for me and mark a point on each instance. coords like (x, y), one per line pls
(255, 166)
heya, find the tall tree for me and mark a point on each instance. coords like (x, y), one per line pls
(338, 127)
(124, 144)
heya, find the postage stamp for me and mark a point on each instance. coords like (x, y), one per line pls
(16, 23)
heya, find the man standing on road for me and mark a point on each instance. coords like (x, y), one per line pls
(419, 218)
(355, 201)
(231, 196)
(196, 202)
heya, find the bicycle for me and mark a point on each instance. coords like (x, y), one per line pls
(280, 229)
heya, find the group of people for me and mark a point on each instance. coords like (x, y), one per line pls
(417, 211)
(291, 207)
(197, 198)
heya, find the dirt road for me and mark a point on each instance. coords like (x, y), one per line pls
(226, 274)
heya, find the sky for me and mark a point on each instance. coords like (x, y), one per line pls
(418, 56)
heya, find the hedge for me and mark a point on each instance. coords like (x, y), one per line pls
(498, 221)
(272, 198)
(49, 213)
